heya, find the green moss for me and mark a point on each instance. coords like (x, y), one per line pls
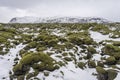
(100, 70)
(101, 28)
(71, 54)
(26, 38)
(112, 74)
(21, 77)
(47, 63)
(43, 66)
(65, 54)
(91, 64)
(22, 52)
(80, 38)
(7, 35)
(31, 45)
(2, 39)
(109, 49)
(47, 40)
(116, 43)
(29, 75)
(116, 34)
(101, 64)
(17, 68)
(91, 50)
(16, 42)
(61, 63)
(68, 58)
(3, 53)
(117, 56)
(111, 60)
(46, 73)
(39, 49)
(59, 47)
(30, 59)
(81, 65)
(89, 55)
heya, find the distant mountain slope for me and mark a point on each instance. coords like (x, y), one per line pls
(58, 20)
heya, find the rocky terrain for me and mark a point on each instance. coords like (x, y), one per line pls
(59, 51)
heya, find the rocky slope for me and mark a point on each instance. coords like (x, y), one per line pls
(58, 20)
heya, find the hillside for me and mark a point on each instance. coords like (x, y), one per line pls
(60, 51)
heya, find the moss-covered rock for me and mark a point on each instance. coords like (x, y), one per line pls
(117, 56)
(116, 43)
(47, 63)
(112, 74)
(111, 60)
(46, 73)
(29, 75)
(100, 70)
(91, 50)
(91, 64)
(65, 54)
(102, 74)
(21, 77)
(101, 64)
(80, 38)
(68, 58)
(81, 65)
(110, 49)
(101, 28)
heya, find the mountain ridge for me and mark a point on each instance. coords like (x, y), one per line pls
(29, 19)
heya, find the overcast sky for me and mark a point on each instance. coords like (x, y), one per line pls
(109, 9)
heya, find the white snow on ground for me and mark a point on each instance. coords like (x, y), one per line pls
(58, 33)
(7, 61)
(118, 76)
(97, 57)
(98, 37)
(70, 72)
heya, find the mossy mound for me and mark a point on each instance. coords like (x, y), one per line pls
(100, 70)
(31, 59)
(91, 64)
(111, 60)
(101, 64)
(81, 65)
(103, 74)
(68, 58)
(110, 49)
(101, 28)
(91, 50)
(80, 38)
(112, 74)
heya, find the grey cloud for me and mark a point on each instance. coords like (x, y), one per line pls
(19, 3)
(108, 9)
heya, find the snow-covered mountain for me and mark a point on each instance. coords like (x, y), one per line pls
(58, 20)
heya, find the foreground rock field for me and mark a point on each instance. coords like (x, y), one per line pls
(60, 51)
